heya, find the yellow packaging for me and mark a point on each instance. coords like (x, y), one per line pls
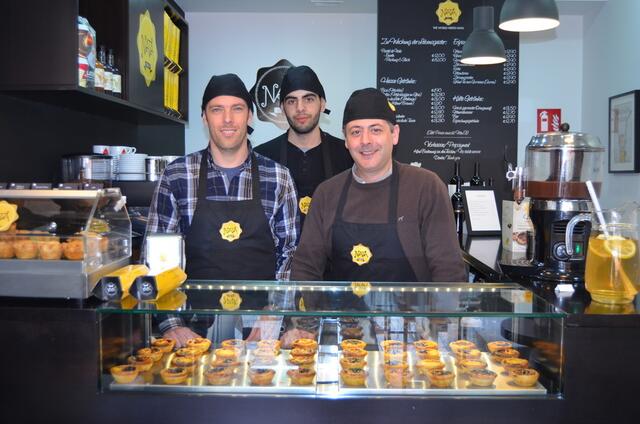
(116, 285)
(154, 287)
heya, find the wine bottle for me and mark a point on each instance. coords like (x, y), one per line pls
(476, 180)
(116, 79)
(455, 179)
(99, 76)
(108, 73)
(457, 203)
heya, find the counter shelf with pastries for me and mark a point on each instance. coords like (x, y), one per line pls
(441, 313)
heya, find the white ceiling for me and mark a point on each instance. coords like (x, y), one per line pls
(567, 7)
(280, 6)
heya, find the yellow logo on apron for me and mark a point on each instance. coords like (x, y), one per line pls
(304, 204)
(301, 306)
(448, 12)
(230, 231)
(361, 254)
(230, 301)
(8, 215)
(360, 288)
(147, 48)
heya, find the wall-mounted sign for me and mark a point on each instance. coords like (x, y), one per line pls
(548, 120)
(147, 48)
(266, 93)
(448, 111)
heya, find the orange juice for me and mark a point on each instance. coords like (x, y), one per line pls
(612, 274)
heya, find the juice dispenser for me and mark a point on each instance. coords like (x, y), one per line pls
(557, 166)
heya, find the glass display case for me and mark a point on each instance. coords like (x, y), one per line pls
(336, 339)
(58, 243)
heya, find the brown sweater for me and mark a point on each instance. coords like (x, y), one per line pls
(423, 203)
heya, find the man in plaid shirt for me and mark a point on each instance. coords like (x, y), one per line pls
(236, 209)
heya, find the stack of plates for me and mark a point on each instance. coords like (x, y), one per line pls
(130, 167)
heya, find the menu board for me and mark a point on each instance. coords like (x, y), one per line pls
(446, 110)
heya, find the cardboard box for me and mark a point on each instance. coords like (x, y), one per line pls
(515, 225)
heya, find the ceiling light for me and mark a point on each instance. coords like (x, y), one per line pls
(483, 47)
(529, 15)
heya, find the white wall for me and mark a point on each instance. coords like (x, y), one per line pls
(340, 48)
(550, 77)
(611, 66)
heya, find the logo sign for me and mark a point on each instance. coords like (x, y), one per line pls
(146, 288)
(361, 254)
(360, 288)
(230, 301)
(230, 231)
(147, 48)
(111, 289)
(8, 214)
(548, 120)
(304, 204)
(448, 12)
(266, 93)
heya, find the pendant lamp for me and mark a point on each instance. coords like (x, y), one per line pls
(529, 15)
(483, 47)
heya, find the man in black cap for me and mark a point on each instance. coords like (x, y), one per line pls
(236, 209)
(381, 220)
(311, 154)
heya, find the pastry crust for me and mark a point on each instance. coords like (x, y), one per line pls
(144, 363)
(392, 344)
(511, 364)
(525, 377)
(6, 249)
(226, 354)
(426, 365)
(200, 344)
(302, 360)
(219, 376)
(461, 344)
(499, 344)
(174, 375)
(305, 344)
(272, 344)
(124, 374)
(358, 353)
(467, 354)
(164, 344)
(352, 333)
(425, 344)
(430, 354)
(398, 377)
(73, 249)
(153, 352)
(237, 344)
(352, 362)
(226, 362)
(301, 376)
(353, 344)
(393, 364)
(482, 377)
(261, 376)
(50, 250)
(395, 356)
(187, 362)
(25, 248)
(353, 376)
(467, 365)
(501, 354)
(441, 378)
(188, 351)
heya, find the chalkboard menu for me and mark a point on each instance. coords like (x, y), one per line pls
(446, 110)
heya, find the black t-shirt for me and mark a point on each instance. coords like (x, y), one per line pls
(307, 168)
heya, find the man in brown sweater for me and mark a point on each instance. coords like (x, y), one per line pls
(381, 220)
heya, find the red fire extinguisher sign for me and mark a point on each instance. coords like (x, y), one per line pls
(548, 120)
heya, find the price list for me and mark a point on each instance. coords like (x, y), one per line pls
(447, 111)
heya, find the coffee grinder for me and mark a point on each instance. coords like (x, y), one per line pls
(557, 166)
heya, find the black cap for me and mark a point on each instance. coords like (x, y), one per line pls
(368, 103)
(226, 85)
(300, 78)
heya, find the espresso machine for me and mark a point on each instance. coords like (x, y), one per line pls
(557, 166)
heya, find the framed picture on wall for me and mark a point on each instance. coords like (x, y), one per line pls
(624, 136)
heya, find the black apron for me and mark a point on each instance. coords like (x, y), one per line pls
(250, 255)
(304, 194)
(375, 246)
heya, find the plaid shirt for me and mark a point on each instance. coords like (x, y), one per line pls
(175, 198)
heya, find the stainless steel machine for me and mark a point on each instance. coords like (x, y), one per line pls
(557, 166)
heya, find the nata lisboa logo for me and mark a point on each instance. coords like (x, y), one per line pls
(266, 93)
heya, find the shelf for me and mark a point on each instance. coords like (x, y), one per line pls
(89, 101)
